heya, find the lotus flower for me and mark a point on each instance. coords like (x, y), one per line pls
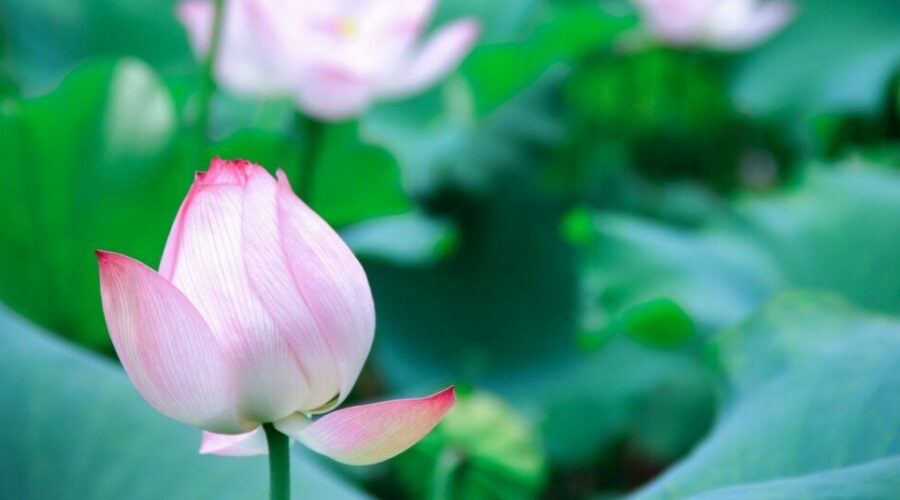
(721, 24)
(333, 57)
(259, 313)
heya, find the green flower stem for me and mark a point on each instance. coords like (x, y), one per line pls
(445, 470)
(312, 131)
(208, 78)
(279, 464)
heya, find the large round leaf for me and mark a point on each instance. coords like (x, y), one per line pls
(809, 69)
(811, 407)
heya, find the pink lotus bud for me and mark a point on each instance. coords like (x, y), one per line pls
(259, 313)
(721, 24)
(332, 57)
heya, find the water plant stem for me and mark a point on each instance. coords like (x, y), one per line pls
(312, 131)
(208, 77)
(279, 464)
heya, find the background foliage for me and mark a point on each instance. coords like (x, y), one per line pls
(652, 271)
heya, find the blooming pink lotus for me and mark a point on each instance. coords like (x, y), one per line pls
(722, 24)
(334, 57)
(259, 314)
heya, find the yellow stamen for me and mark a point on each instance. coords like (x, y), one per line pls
(346, 26)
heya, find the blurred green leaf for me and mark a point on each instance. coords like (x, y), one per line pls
(458, 317)
(501, 20)
(88, 167)
(658, 322)
(503, 112)
(501, 314)
(812, 403)
(830, 232)
(482, 450)
(578, 226)
(47, 38)
(668, 111)
(355, 180)
(440, 146)
(656, 403)
(406, 239)
(809, 69)
(874, 479)
(77, 429)
(497, 72)
(653, 89)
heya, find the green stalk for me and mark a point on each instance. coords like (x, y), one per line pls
(445, 470)
(279, 464)
(312, 131)
(208, 78)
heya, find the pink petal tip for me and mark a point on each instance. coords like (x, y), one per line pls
(368, 434)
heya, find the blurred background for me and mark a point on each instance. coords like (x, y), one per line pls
(651, 267)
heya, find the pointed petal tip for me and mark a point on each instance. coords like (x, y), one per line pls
(164, 344)
(285, 188)
(282, 179)
(104, 261)
(197, 17)
(368, 434)
(445, 397)
(106, 258)
(440, 55)
(442, 401)
(470, 26)
(221, 171)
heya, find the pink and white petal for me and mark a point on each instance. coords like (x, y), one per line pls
(368, 434)
(266, 262)
(332, 93)
(166, 347)
(440, 55)
(362, 38)
(676, 22)
(252, 57)
(220, 172)
(760, 23)
(204, 259)
(333, 285)
(393, 26)
(197, 18)
(235, 445)
(414, 13)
